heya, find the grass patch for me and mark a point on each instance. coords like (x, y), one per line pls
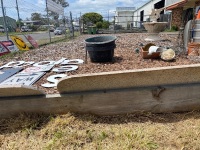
(12, 55)
(72, 131)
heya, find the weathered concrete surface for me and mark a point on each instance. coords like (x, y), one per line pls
(129, 79)
(158, 90)
(173, 98)
(19, 90)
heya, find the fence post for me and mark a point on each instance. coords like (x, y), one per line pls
(114, 24)
(72, 24)
(80, 24)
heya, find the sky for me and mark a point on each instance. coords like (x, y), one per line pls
(77, 7)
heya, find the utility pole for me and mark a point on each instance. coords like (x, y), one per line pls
(4, 20)
(18, 15)
(108, 15)
(48, 22)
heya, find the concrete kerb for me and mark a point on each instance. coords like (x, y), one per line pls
(165, 89)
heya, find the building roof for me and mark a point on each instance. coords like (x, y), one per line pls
(184, 3)
(30, 21)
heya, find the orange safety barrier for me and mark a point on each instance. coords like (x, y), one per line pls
(198, 15)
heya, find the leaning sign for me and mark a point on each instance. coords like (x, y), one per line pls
(3, 49)
(10, 45)
(19, 42)
(32, 41)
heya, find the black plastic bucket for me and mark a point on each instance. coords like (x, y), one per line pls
(101, 48)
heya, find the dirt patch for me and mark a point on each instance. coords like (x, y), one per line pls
(125, 55)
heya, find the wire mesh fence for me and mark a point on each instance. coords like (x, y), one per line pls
(23, 17)
(130, 23)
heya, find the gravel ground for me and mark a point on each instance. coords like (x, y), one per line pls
(125, 57)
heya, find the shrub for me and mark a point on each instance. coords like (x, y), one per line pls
(99, 25)
(174, 28)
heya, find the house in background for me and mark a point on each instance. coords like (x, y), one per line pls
(10, 23)
(31, 23)
(177, 12)
(142, 13)
(182, 11)
(124, 16)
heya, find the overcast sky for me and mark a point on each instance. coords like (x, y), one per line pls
(104, 7)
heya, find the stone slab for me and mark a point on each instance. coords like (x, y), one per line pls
(132, 78)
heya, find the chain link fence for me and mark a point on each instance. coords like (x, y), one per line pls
(128, 23)
(23, 17)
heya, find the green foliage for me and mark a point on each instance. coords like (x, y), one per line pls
(105, 24)
(92, 18)
(174, 28)
(19, 23)
(34, 27)
(42, 28)
(99, 25)
(36, 16)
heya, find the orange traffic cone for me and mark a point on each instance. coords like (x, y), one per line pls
(198, 15)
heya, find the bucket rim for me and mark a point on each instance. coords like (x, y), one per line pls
(114, 38)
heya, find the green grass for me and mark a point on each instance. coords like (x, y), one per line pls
(144, 131)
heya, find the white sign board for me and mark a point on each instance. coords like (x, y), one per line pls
(57, 8)
(10, 45)
(6, 73)
(23, 79)
(37, 69)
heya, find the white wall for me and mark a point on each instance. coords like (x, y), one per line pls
(122, 20)
(147, 11)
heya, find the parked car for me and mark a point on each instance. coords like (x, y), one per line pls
(51, 29)
(25, 29)
(59, 31)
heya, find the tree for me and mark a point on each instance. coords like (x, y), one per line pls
(92, 18)
(105, 24)
(99, 25)
(36, 16)
(19, 23)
